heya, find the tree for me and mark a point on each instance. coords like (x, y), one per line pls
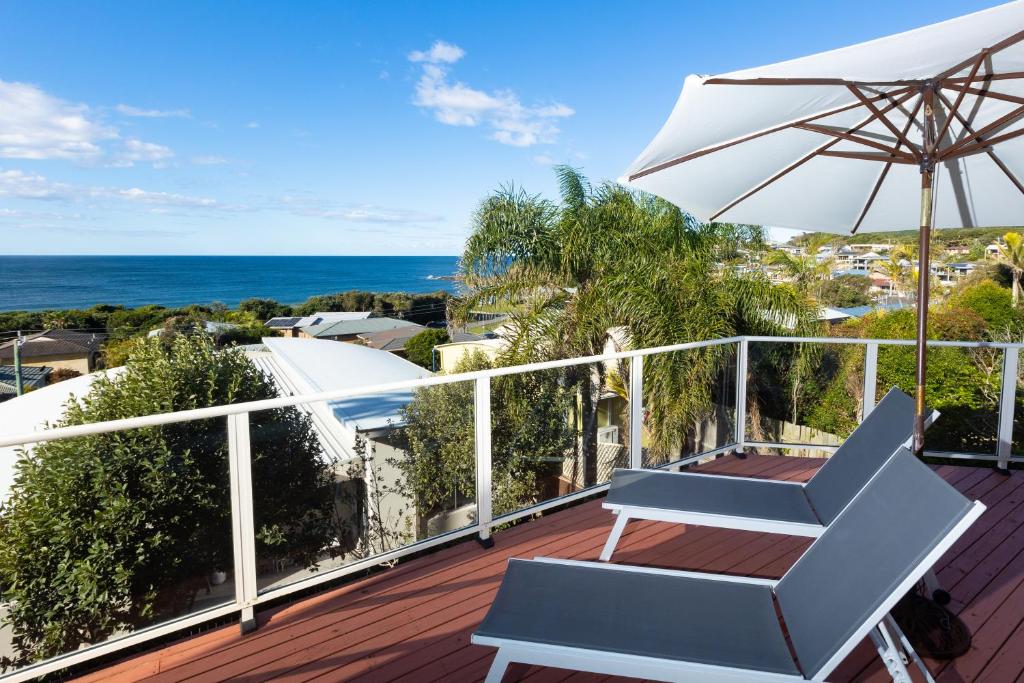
(993, 303)
(530, 438)
(807, 271)
(420, 347)
(107, 533)
(1011, 253)
(609, 257)
(893, 268)
(846, 291)
(263, 309)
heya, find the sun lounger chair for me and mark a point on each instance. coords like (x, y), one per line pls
(766, 505)
(687, 626)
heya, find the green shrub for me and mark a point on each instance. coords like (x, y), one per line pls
(107, 533)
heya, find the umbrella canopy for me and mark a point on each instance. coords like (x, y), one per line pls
(919, 128)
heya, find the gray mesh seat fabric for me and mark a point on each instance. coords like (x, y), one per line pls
(666, 625)
(669, 617)
(783, 507)
(736, 496)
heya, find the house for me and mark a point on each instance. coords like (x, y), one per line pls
(859, 272)
(78, 351)
(447, 356)
(361, 436)
(289, 326)
(349, 330)
(32, 377)
(392, 340)
(993, 251)
(865, 261)
(211, 327)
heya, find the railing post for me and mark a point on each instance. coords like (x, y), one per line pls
(243, 533)
(741, 394)
(482, 431)
(870, 378)
(636, 412)
(1007, 405)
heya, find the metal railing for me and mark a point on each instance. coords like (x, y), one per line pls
(248, 597)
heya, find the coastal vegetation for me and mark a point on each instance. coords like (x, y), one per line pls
(420, 348)
(135, 523)
(120, 323)
(603, 266)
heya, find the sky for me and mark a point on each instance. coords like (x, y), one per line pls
(351, 128)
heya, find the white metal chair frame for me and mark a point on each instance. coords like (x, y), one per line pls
(892, 645)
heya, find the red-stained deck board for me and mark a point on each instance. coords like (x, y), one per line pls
(413, 622)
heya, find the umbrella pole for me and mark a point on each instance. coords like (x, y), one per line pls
(923, 277)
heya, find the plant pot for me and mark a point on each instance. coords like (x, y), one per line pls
(218, 577)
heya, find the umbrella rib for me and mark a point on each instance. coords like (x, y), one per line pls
(1009, 41)
(847, 135)
(810, 81)
(960, 95)
(991, 153)
(761, 133)
(807, 157)
(885, 121)
(885, 170)
(866, 156)
(985, 145)
(1001, 122)
(995, 95)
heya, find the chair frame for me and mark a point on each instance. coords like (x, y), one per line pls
(892, 645)
(625, 513)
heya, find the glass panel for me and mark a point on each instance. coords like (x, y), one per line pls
(961, 383)
(689, 403)
(367, 475)
(804, 392)
(104, 535)
(1017, 445)
(555, 432)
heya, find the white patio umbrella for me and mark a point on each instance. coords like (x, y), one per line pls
(927, 124)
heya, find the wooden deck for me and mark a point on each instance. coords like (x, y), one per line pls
(413, 622)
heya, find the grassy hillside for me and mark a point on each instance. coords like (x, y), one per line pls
(950, 237)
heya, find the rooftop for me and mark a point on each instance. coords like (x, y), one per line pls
(316, 365)
(391, 340)
(412, 622)
(54, 343)
(319, 318)
(344, 328)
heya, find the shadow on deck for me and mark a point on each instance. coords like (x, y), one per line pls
(413, 622)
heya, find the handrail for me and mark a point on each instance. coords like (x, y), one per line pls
(158, 419)
(247, 596)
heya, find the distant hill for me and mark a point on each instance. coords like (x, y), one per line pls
(949, 237)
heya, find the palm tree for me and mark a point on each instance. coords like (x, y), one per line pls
(610, 257)
(1012, 254)
(806, 271)
(893, 269)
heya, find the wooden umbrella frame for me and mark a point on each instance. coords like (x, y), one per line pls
(944, 93)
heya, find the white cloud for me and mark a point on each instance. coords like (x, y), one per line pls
(129, 110)
(457, 104)
(439, 53)
(545, 160)
(355, 213)
(134, 150)
(36, 125)
(20, 185)
(209, 160)
(253, 124)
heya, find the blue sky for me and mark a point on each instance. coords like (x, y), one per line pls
(350, 128)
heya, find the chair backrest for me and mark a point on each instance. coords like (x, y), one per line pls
(888, 427)
(882, 544)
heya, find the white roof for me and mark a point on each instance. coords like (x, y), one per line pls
(318, 365)
(32, 411)
(731, 150)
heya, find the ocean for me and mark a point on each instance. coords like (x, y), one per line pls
(32, 283)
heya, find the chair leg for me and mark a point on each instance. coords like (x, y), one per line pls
(613, 538)
(909, 649)
(890, 653)
(497, 671)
